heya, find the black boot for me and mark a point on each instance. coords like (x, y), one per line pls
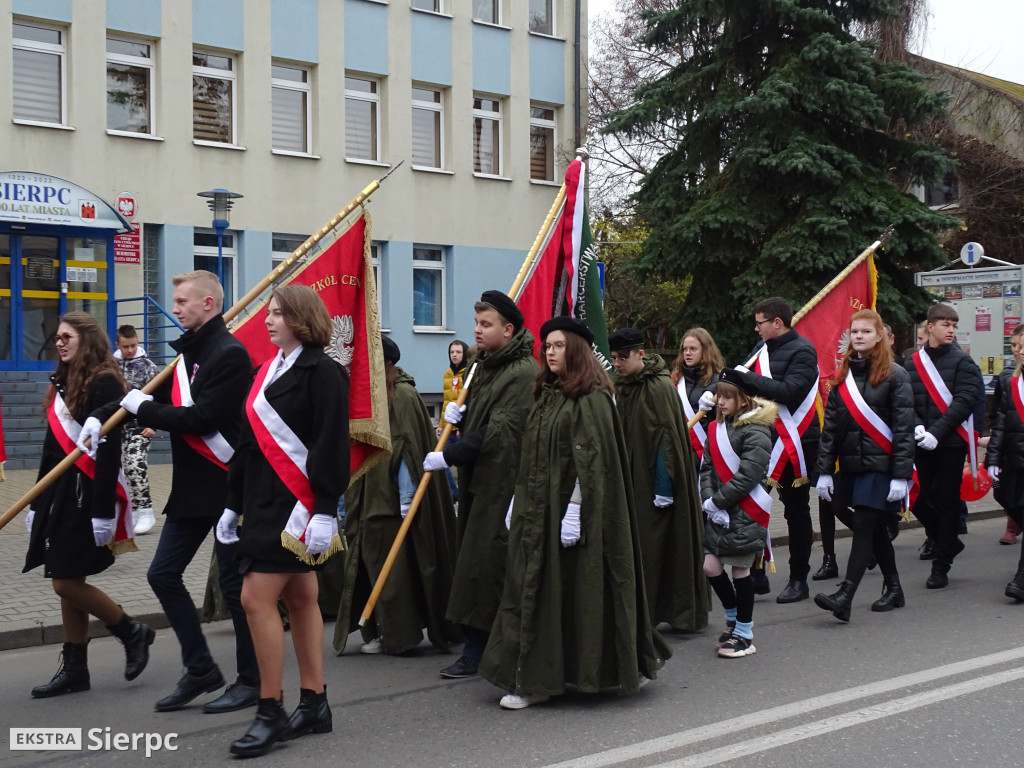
(938, 578)
(1015, 588)
(840, 602)
(136, 638)
(266, 730)
(828, 570)
(892, 595)
(313, 715)
(72, 674)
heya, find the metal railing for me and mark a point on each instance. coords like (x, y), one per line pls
(158, 327)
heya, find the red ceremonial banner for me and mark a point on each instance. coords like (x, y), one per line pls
(343, 278)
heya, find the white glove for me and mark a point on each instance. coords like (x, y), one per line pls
(29, 518)
(403, 510)
(993, 472)
(742, 369)
(825, 487)
(919, 432)
(227, 527)
(707, 401)
(434, 460)
(133, 400)
(90, 430)
(718, 515)
(571, 525)
(508, 515)
(319, 533)
(927, 441)
(453, 413)
(663, 501)
(897, 490)
(103, 530)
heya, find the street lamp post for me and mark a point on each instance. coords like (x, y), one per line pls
(220, 202)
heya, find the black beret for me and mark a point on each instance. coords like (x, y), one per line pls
(567, 325)
(504, 306)
(739, 380)
(625, 338)
(391, 351)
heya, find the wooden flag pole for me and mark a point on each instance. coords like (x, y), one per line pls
(50, 477)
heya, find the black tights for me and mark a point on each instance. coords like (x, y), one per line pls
(741, 597)
(870, 535)
(828, 511)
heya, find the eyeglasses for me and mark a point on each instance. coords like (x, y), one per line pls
(553, 345)
(63, 338)
(618, 357)
(759, 323)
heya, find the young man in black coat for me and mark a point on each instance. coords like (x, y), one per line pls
(201, 407)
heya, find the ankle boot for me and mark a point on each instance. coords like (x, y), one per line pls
(892, 595)
(828, 570)
(938, 579)
(1011, 533)
(839, 602)
(271, 721)
(72, 674)
(1015, 588)
(136, 638)
(313, 715)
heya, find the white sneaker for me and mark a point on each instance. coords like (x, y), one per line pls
(374, 646)
(515, 701)
(144, 521)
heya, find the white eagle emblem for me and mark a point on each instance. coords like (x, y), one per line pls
(340, 346)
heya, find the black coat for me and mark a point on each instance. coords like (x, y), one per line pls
(694, 389)
(961, 376)
(844, 439)
(312, 399)
(1006, 446)
(61, 537)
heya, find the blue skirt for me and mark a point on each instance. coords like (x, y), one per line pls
(865, 489)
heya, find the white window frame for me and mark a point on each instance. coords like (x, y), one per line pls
(231, 76)
(229, 254)
(498, 117)
(305, 87)
(60, 49)
(375, 101)
(438, 107)
(497, 20)
(438, 6)
(539, 122)
(276, 257)
(148, 64)
(552, 16)
(376, 253)
(437, 266)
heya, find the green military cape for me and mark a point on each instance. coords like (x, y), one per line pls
(573, 615)
(499, 397)
(416, 592)
(671, 538)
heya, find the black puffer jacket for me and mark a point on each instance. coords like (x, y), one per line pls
(1006, 447)
(961, 376)
(694, 389)
(843, 437)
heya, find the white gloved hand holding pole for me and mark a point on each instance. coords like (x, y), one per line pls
(453, 413)
(91, 432)
(434, 461)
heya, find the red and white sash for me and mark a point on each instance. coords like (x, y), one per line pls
(757, 504)
(1017, 393)
(287, 455)
(790, 426)
(697, 434)
(213, 447)
(67, 430)
(942, 397)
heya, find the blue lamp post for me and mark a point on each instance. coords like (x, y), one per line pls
(220, 202)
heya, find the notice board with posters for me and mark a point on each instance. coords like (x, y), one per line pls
(988, 301)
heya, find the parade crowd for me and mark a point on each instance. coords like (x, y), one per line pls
(595, 511)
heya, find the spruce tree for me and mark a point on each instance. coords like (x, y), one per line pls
(793, 155)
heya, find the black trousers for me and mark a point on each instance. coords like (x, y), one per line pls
(938, 505)
(796, 504)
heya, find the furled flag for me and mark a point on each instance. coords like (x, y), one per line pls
(565, 279)
(342, 275)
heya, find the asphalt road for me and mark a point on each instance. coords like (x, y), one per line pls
(938, 683)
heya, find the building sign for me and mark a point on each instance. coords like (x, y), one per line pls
(128, 248)
(37, 198)
(127, 206)
(81, 274)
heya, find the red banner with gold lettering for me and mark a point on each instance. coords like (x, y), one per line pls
(343, 277)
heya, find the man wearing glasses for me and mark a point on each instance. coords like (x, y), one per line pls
(487, 455)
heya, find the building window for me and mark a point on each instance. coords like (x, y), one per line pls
(542, 16)
(282, 246)
(542, 143)
(487, 10)
(39, 74)
(289, 108)
(486, 136)
(427, 128)
(428, 279)
(945, 192)
(213, 98)
(437, 6)
(205, 256)
(129, 86)
(377, 277)
(362, 119)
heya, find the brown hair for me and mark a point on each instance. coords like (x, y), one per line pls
(204, 283)
(481, 306)
(775, 307)
(711, 360)
(92, 360)
(938, 312)
(304, 313)
(127, 332)
(583, 374)
(881, 355)
(745, 402)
